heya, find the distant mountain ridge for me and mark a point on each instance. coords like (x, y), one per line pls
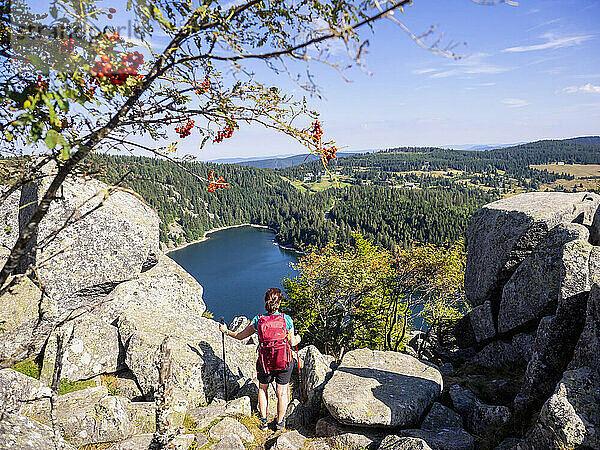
(286, 160)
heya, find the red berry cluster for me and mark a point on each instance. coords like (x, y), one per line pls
(111, 11)
(114, 37)
(327, 154)
(226, 133)
(41, 84)
(66, 45)
(317, 133)
(185, 130)
(117, 74)
(214, 184)
(205, 86)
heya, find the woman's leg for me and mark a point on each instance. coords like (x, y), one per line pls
(262, 399)
(282, 400)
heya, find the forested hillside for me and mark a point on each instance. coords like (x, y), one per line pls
(511, 162)
(389, 216)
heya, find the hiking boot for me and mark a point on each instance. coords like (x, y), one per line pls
(279, 426)
(263, 423)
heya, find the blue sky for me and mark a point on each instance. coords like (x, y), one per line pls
(528, 72)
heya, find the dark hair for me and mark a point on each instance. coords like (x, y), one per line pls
(273, 299)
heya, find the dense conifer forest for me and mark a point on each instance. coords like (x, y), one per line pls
(376, 200)
(388, 216)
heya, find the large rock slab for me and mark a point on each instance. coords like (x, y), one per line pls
(103, 245)
(393, 442)
(570, 418)
(291, 440)
(482, 321)
(22, 433)
(443, 438)
(19, 304)
(503, 233)
(18, 390)
(91, 415)
(381, 389)
(497, 354)
(91, 348)
(554, 345)
(314, 375)
(587, 350)
(440, 416)
(231, 442)
(197, 366)
(557, 268)
(24, 395)
(478, 417)
(348, 437)
(165, 286)
(229, 426)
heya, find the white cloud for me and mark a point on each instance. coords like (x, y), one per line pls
(479, 86)
(586, 88)
(515, 102)
(552, 43)
(445, 74)
(423, 71)
(471, 65)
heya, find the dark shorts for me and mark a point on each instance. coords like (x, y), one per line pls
(280, 377)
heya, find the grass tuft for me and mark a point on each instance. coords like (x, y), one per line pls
(28, 367)
(67, 386)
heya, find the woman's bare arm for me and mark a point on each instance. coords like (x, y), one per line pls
(294, 338)
(246, 332)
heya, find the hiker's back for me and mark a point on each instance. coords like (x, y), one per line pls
(275, 352)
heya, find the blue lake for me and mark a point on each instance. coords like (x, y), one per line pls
(236, 266)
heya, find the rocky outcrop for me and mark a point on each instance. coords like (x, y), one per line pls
(570, 418)
(440, 416)
(20, 304)
(101, 246)
(532, 267)
(348, 436)
(196, 362)
(165, 286)
(292, 440)
(91, 347)
(18, 390)
(317, 370)
(479, 418)
(229, 426)
(557, 268)
(443, 438)
(393, 442)
(20, 432)
(91, 415)
(503, 233)
(381, 389)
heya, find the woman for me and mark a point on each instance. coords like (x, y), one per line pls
(282, 377)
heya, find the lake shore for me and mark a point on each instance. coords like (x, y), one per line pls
(213, 230)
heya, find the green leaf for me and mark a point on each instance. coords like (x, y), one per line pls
(65, 152)
(51, 139)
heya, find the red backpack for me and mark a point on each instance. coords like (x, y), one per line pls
(275, 350)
